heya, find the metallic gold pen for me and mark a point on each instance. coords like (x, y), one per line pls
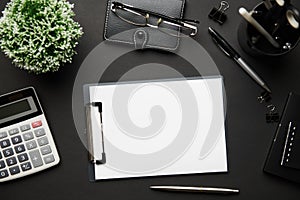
(210, 190)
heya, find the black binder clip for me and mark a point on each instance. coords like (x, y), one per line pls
(218, 14)
(272, 116)
(264, 97)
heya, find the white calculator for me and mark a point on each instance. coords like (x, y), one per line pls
(26, 143)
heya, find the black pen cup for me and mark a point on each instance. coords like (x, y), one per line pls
(274, 21)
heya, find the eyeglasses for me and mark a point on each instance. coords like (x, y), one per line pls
(140, 17)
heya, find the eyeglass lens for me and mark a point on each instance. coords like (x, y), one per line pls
(138, 19)
(131, 17)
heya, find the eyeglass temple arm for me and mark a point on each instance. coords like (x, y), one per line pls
(192, 27)
(190, 20)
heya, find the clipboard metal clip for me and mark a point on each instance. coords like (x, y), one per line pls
(90, 133)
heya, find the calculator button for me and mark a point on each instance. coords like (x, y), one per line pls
(13, 131)
(36, 158)
(5, 143)
(43, 141)
(2, 164)
(40, 132)
(36, 124)
(25, 127)
(46, 150)
(11, 161)
(28, 136)
(3, 174)
(31, 145)
(49, 159)
(20, 148)
(16, 139)
(3, 135)
(8, 152)
(14, 170)
(22, 157)
(0, 155)
(26, 166)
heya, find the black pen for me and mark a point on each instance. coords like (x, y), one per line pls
(229, 51)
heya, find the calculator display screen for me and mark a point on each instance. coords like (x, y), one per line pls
(14, 108)
(17, 109)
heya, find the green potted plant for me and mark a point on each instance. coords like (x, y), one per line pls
(39, 35)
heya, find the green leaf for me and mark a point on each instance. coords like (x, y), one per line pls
(39, 35)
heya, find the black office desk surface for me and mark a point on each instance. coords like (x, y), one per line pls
(248, 136)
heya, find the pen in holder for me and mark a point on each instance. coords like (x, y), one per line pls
(271, 28)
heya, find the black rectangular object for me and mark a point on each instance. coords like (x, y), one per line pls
(284, 155)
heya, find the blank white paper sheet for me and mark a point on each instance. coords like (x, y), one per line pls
(156, 128)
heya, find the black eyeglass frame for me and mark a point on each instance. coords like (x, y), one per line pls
(186, 23)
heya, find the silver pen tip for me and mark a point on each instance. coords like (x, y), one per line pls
(267, 88)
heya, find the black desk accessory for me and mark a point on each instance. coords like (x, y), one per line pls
(218, 14)
(284, 156)
(143, 37)
(272, 115)
(280, 21)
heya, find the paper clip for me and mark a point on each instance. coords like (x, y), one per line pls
(218, 14)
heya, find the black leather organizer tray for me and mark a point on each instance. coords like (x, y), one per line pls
(117, 30)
